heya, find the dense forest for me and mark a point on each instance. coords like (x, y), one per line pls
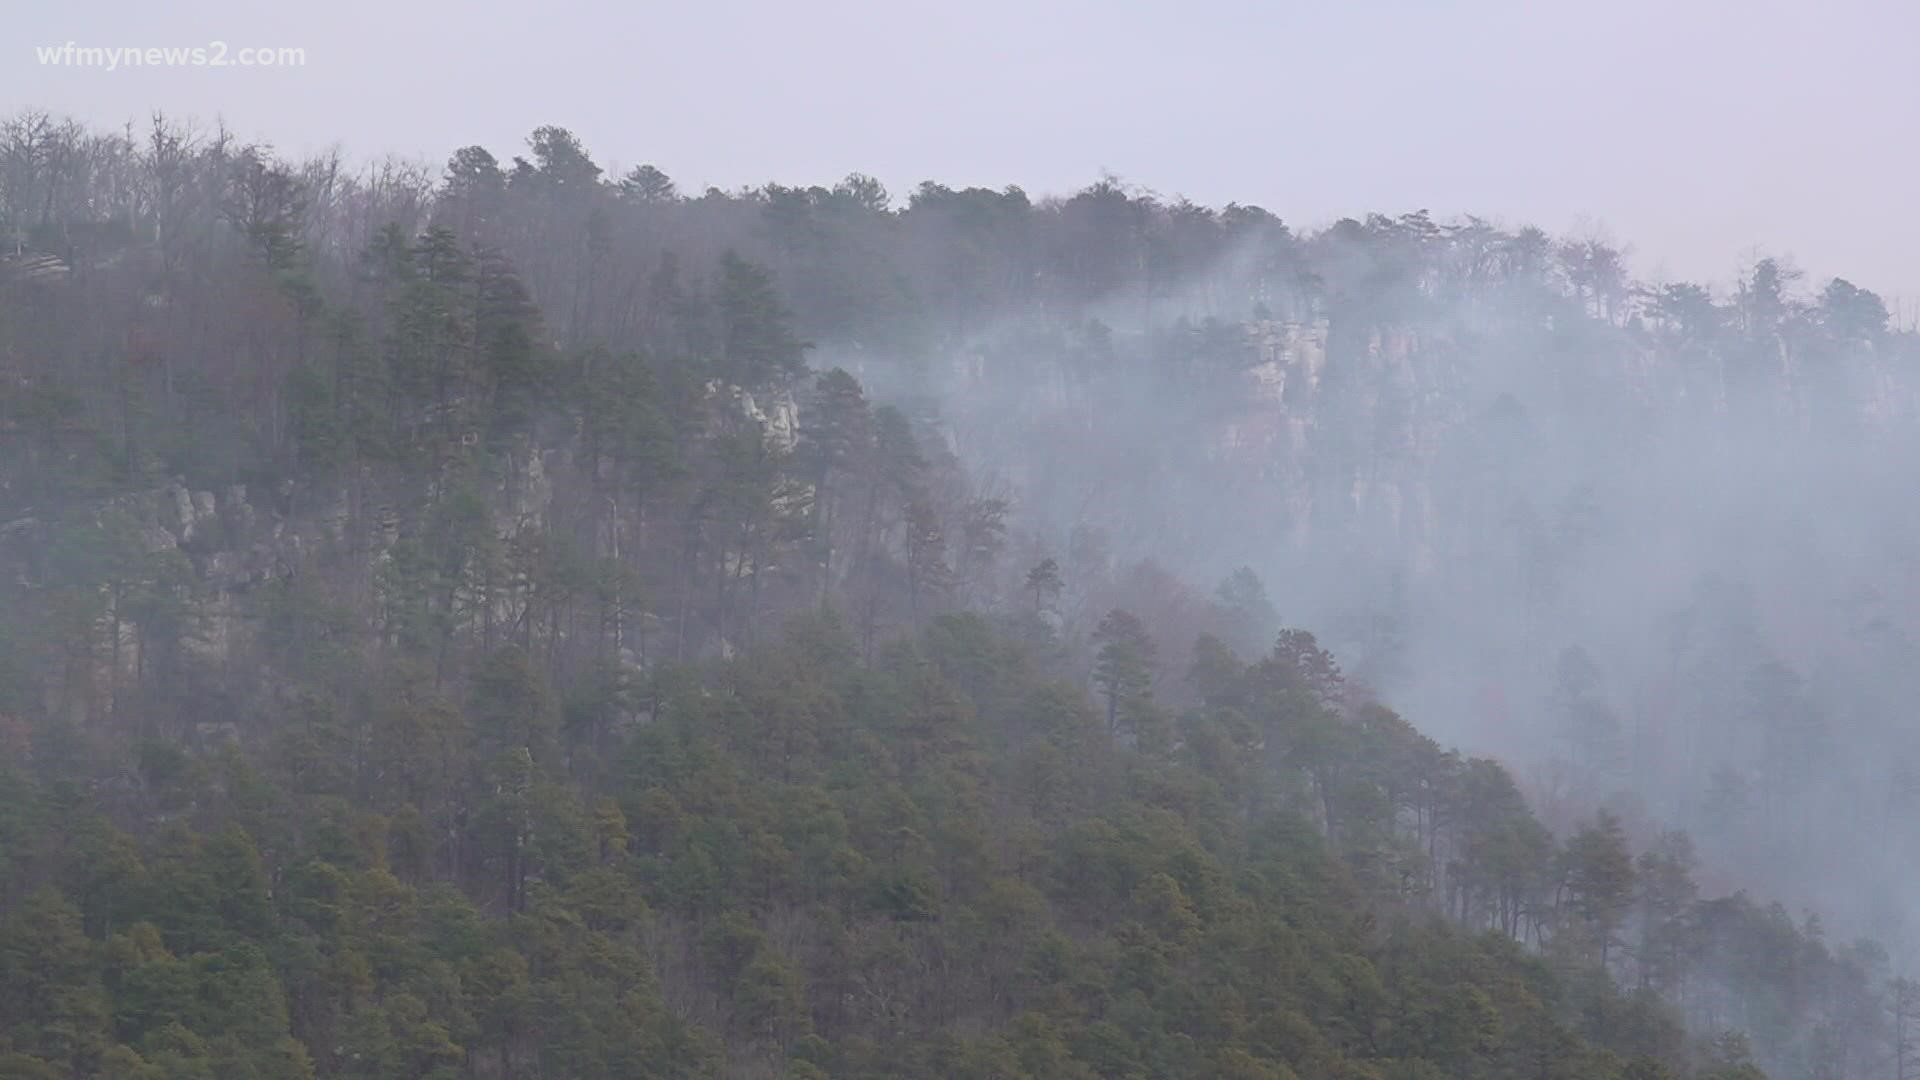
(515, 620)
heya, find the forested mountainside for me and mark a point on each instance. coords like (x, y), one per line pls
(522, 622)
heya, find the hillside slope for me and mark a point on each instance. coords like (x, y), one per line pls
(453, 630)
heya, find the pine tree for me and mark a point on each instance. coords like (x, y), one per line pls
(1599, 881)
(757, 344)
(1123, 666)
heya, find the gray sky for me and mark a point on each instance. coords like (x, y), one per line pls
(1695, 135)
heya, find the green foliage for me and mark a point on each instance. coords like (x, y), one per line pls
(456, 736)
(806, 843)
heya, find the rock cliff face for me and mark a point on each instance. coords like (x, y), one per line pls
(1417, 441)
(209, 551)
(212, 564)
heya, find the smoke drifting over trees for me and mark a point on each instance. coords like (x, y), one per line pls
(516, 620)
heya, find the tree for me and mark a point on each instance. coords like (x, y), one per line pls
(926, 546)
(517, 374)
(54, 1007)
(983, 536)
(1244, 596)
(1903, 1011)
(757, 344)
(430, 345)
(1852, 314)
(266, 205)
(474, 186)
(1123, 666)
(836, 440)
(864, 192)
(1664, 877)
(1599, 881)
(1504, 851)
(1588, 725)
(1045, 583)
(561, 158)
(512, 706)
(648, 185)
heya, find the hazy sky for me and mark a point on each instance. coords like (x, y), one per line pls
(1694, 132)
